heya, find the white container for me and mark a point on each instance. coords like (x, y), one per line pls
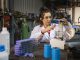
(5, 39)
(3, 54)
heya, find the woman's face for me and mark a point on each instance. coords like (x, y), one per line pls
(47, 19)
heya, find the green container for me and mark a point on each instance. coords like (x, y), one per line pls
(25, 30)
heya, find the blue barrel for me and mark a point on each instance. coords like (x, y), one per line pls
(47, 51)
(55, 54)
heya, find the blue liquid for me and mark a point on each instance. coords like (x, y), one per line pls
(55, 54)
(47, 51)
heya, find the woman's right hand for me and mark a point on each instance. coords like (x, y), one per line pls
(48, 28)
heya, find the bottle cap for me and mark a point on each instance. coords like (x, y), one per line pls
(4, 31)
(4, 28)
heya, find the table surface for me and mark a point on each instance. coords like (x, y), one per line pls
(38, 55)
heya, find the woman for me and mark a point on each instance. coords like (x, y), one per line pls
(45, 31)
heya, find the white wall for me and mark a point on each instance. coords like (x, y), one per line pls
(77, 15)
(31, 6)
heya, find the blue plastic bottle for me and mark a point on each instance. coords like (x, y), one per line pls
(55, 54)
(47, 51)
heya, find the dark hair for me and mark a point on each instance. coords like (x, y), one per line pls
(41, 14)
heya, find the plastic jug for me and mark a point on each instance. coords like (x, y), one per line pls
(5, 39)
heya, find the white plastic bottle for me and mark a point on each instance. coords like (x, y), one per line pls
(3, 54)
(5, 39)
